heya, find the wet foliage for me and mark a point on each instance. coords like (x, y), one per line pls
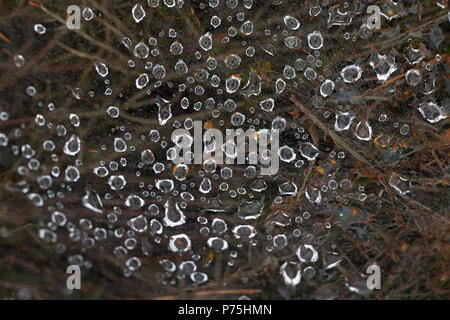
(86, 149)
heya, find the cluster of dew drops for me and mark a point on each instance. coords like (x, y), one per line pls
(146, 204)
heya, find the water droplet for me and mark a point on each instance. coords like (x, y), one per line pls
(120, 145)
(102, 69)
(291, 22)
(39, 28)
(351, 74)
(179, 243)
(309, 151)
(291, 273)
(72, 146)
(138, 12)
(206, 42)
(363, 131)
(315, 40)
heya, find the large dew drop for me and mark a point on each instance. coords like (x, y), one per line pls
(432, 112)
(139, 223)
(309, 151)
(363, 131)
(205, 186)
(307, 253)
(351, 73)
(3, 140)
(138, 13)
(383, 65)
(179, 243)
(315, 40)
(164, 112)
(291, 22)
(134, 202)
(117, 182)
(217, 244)
(343, 120)
(92, 201)
(102, 69)
(72, 174)
(267, 105)
(142, 81)
(147, 157)
(291, 273)
(327, 88)
(232, 83)
(173, 215)
(72, 146)
(244, 231)
(141, 50)
(205, 41)
(120, 145)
